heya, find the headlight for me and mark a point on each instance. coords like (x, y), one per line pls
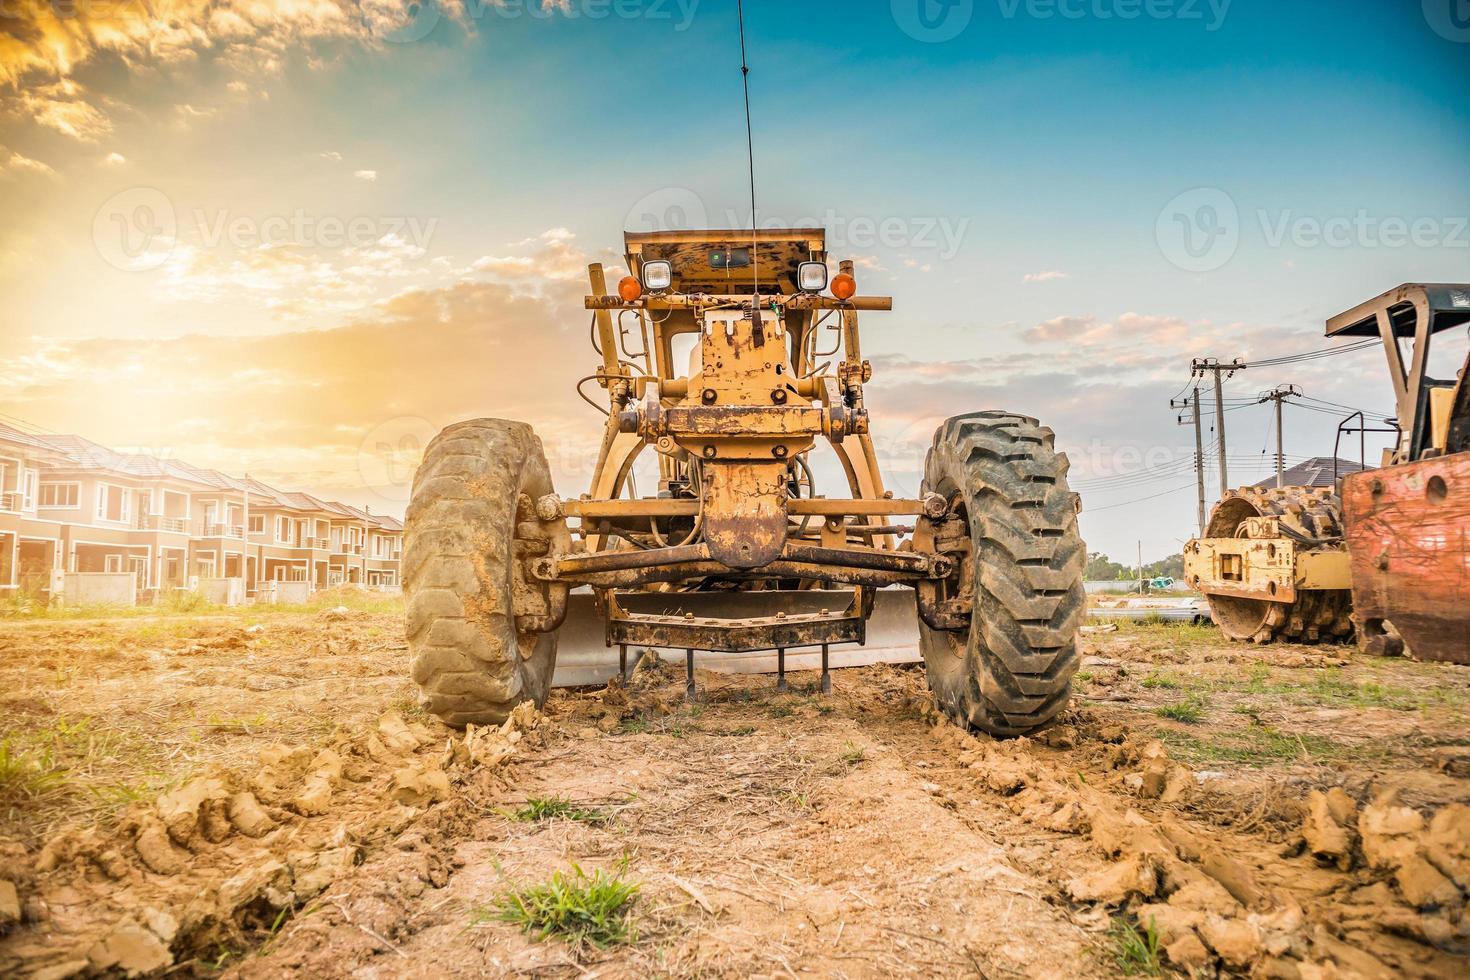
(811, 277)
(658, 275)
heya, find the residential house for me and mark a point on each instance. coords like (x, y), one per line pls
(68, 504)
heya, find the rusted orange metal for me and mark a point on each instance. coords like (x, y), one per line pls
(1408, 532)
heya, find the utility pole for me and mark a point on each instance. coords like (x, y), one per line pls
(1278, 395)
(1198, 367)
(1199, 450)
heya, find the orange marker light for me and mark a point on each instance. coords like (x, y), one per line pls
(843, 286)
(630, 289)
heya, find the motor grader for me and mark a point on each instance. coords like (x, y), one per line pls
(1385, 553)
(710, 357)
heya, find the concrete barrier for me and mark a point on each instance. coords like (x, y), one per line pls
(99, 589)
(287, 593)
(223, 591)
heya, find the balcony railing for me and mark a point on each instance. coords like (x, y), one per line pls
(157, 522)
(207, 530)
(11, 500)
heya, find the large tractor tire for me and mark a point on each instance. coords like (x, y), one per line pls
(1010, 672)
(475, 617)
(1311, 517)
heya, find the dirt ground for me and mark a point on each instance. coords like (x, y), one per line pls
(259, 796)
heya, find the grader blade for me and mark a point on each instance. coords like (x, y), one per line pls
(585, 656)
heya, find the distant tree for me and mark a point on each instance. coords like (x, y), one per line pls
(1101, 568)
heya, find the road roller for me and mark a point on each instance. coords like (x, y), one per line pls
(1274, 566)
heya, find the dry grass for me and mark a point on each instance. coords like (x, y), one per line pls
(97, 715)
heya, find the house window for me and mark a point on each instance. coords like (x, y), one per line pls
(112, 503)
(28, 495)
(112, 563)
(257, 523)
(60, 494)
(283, 529)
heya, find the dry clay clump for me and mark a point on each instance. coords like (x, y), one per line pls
(224, 842)
(1208, 907)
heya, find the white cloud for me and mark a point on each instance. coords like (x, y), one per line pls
(555, 258)
(1049, 276)
(331, 155)
(114, 159)
(15, 163)
(367, 175)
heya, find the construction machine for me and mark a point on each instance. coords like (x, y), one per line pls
(1273, 565)
(1407, 524)
(710, 355)
(1384, 554)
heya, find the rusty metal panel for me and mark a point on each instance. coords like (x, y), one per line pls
(1408, 533)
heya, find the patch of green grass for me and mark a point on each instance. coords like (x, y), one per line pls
(1136, 951)
(539, 808)
(1157, 680)
(572, 906)
(797, 800)
(852, 754)
(1170, 631)
(780, 711)
(1189, 711)
(27, 772)
(1082, 677)
(1261, 745)
(740, 732)
(672, 727)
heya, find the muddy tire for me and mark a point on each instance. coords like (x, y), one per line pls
(1312, 518)
(470, 531)
(1010, 672)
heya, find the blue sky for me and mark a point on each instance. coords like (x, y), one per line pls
(1034, 174)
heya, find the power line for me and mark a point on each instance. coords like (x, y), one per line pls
(1139, 500)
(1314, 355)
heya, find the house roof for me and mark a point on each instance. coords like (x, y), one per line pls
(1315, 472)
(10, 434)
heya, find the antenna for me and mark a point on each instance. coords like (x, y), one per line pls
(755, 260)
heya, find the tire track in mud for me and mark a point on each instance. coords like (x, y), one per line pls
(770, 836)
(859, 835)
(853, 835)
(1113, 825)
